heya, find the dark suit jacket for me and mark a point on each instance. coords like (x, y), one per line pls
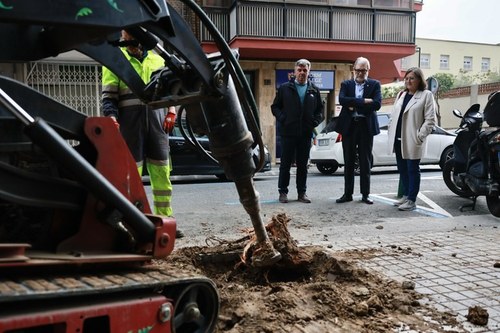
(347, 98)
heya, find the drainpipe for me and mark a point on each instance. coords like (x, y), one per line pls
(418, 50)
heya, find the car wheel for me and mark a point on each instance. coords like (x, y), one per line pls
(447, 155)
(327, 168)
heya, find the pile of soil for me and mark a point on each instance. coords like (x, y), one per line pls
(310, 290)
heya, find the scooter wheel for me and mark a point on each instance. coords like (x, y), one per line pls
(449, 179)
(493, 202)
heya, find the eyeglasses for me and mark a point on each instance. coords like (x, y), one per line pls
(361, 70)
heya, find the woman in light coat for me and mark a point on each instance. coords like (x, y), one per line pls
(412, 120)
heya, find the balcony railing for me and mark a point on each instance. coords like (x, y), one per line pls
(274, 20)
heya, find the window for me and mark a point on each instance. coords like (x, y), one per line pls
(405, 63)
(467, 64)
(425, 60)
(344, 2)
(309, 2)
(444, 61)
(331, 2)
(403, 4)
(485, 64)
(364, 3)
(392, 3)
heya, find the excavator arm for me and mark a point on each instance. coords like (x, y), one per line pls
(208, 87)
(74, 215)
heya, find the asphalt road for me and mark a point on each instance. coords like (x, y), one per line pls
(206, 207)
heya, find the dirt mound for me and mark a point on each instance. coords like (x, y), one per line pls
(309, 290)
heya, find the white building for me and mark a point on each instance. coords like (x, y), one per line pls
(458, 59)
(453, 57)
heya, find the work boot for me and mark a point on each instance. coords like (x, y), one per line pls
(265, 255)
(283, 197)
(401, 201)
(304, 198)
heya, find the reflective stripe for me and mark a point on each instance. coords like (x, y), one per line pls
(163, 193)
(110, 91)
(110, 88)
(158, 162)
(109, 95)
(161, 186)
(124, 90)
(165, 211)
(162, 204)
(130, 102)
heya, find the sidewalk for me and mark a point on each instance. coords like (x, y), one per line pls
(451, 260)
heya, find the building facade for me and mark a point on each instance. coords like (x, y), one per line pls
(453, 57)
(460, 59)
(270, 36)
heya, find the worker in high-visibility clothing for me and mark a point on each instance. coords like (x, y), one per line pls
(145, 130)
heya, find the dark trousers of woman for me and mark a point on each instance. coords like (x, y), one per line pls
(294, 148)
(409, 173)
(360, 142)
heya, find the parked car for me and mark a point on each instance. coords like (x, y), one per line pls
(328, 156)
(188, 160)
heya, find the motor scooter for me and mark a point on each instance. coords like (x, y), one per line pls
(474, 169)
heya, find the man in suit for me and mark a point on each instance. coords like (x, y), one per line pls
(360, 98)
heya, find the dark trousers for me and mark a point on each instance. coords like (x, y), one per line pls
(409, 173)
(294, 148)
(359, 140)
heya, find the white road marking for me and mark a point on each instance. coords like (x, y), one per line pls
(434, 210)
(435, 207)
(433, 177)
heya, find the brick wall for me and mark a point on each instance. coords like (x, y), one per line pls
(488, 88)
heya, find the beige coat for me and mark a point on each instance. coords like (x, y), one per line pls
(419, 119)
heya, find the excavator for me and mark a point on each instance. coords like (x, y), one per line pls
(78, 240)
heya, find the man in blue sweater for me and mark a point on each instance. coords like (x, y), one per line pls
(298, 109)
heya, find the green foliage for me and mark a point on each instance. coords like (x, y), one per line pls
(391, 91)
(468, 78)
(491, 77)
(464, 79)
(445, 80)
(449, 81)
